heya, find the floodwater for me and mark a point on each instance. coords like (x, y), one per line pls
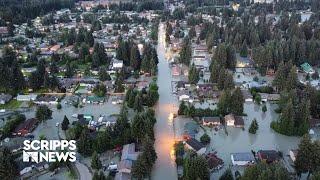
(239, 140)
(165, 167)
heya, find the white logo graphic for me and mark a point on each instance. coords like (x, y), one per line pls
(49, 151)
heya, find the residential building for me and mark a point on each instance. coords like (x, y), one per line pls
(28, 97)
(4, 98)
(25, 127)
(195, 145)
(269, 156)
(242, 159)
(211, 121)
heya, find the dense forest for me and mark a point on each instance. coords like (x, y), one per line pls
(19, 11)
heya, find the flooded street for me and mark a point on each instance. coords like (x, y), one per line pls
(165, 167)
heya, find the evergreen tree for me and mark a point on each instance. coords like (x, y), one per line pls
(65, 123)
(215, 70)
(244, 50)
(84, 143)
(103, 75)
(43, 113)
(195, 167)
(95, 161)
(193, 75)
(307, 157)
(137, 106)
(237, 104)
(254, 127)
(185, 53)
(8, 167)
(192, 33)
(135, 59)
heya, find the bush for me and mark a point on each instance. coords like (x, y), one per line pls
(179, 161)
(264, 108)
(205, 139)
(59, 106)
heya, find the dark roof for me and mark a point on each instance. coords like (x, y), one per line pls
(213, 160)
(268, 155)
(195, 144)
(27, 125)
(211, 119)
(313, 122)
(243, 156)
(238, 121)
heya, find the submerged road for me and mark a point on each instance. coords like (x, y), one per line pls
(165, 167)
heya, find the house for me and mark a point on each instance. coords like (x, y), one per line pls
(195, 145)
(269, 156)
(242, 159)
(129, 152)
(176, 71)
(269, 97)
(313, 122)
(293, 154)
(214, 162)
(234, 121)
(128, 156)
(307, 68)
(229, 119)
(28, 97)
(239, 122)
(4, 98)
(184, 97)
(4, 31)
(25, 127)
(108, 121)
(94, 100)
(117, 64)
(46, 99)
(190, 130)
(211, 121)
(247, 96)
(181, 85)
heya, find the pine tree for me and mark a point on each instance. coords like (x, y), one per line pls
(43, 113)
(84, 143)
(254, 127)
(135, 57)
(8, 167)
(244, 50)
(215, 70)
(103, 75)
(138, 106)
(95, 161)
(303, 162)
(193, 75)
(238, 100)
(65, 123)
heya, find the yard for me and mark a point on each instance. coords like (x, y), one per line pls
(13, 104)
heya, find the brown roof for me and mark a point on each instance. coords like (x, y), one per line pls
(238, 121)
(26, 125)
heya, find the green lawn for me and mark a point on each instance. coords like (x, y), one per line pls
(13, 104)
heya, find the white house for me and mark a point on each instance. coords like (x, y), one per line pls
(242, 159)
(28, 97)
(117, 64)
(229, 119)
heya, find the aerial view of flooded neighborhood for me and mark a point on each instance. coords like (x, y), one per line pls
(160, 90)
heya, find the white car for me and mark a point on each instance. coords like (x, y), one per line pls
(57, 124)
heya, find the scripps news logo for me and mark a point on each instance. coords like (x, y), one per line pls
(49, 151)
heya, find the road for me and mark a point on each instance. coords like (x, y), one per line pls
(83, 171)
(165, 167)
